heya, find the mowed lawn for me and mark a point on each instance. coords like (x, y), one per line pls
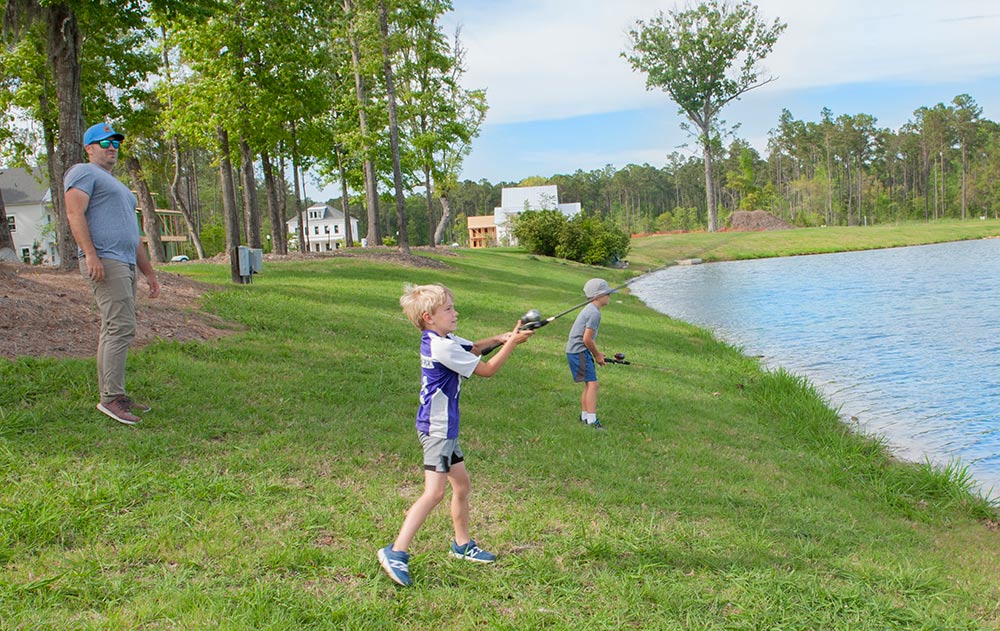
(654, 251)
(276, 461)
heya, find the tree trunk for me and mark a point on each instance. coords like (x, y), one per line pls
(345, 200)
(371, 193)
(251, 210)
(147, 207)
(302, 220)
(282, 195)
(706, 149)
(397, 172)
(445, 219)
(178, 201)
(7, 252)
(430, 208)
(63, 41)
(278, 243)
(229, 208)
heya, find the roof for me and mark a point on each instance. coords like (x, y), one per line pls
(330, 214)
(20, 187)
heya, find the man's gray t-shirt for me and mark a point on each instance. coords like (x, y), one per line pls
(110, 213)
(589, 318)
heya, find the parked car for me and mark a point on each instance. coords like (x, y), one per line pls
(180, 258)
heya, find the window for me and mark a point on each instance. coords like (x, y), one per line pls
(326, 229)
(26, 255)
(315, 229)
(336, 229)
(11, 223)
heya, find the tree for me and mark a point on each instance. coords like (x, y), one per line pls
(354, 34)
(967, 130)
(390, 89)
(704, 58)
(7, 252)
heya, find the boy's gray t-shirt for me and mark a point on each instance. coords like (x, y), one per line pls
(589, 318)
(110, 214)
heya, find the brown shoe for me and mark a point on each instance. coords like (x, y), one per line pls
(135, 406)
(119, 411)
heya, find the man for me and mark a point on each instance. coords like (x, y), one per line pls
(101, 213)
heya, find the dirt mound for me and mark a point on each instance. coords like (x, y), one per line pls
(755, 221)
(51, 313)
(46, 312)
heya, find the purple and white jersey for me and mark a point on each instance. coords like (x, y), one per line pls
(443, 360)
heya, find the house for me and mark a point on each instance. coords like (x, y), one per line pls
(514, 201)
(326, 227)
(30, 215)
(482, 231)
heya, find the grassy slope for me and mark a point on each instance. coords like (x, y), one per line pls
(655, 251)
(277, 461)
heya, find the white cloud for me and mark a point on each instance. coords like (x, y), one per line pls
(555, 59)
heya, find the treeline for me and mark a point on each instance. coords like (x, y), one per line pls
(838, 170)
(220, 99)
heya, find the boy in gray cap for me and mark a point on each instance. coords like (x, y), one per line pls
(581, 348)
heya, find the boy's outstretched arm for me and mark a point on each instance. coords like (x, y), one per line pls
(490, 367)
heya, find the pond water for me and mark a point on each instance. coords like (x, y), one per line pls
(906, 339)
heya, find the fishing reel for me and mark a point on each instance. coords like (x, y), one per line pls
(619, 358)
(532, 320)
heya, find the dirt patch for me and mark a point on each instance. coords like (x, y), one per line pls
(755, 221)
(51, 313)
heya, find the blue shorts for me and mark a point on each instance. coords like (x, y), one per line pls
(581, 365)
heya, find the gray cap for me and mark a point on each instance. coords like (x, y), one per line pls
(597, 287)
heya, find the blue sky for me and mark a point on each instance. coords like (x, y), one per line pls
(561, 97)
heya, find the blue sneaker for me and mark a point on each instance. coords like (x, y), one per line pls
(595, 425)
(472, 552)
(396, 565)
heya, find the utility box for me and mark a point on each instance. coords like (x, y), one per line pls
(251, 261)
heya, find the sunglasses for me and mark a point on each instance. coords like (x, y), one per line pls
(107, 142)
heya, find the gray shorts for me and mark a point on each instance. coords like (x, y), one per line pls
(440, 454)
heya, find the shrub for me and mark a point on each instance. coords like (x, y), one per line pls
(539, 231)
(582, 239)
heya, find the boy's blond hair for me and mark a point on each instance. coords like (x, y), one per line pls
(420, 299)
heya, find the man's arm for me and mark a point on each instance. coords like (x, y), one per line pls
(76, 213)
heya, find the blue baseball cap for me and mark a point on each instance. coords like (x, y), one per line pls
(99, 132)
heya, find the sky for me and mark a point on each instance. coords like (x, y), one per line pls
(562, 98)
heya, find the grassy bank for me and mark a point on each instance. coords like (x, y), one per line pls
(658, 250)
(278, 460)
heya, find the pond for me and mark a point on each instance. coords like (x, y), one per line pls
(905, 339)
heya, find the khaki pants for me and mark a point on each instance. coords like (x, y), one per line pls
(115, 297)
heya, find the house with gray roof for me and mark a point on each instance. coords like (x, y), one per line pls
(326, 229)
(30, 215)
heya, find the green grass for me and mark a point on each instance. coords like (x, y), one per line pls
(658, 250)
(278, 460)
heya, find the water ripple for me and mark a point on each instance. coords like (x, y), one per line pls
(906, 339)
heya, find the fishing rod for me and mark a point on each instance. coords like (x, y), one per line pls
(619, 358)
(532, 320)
